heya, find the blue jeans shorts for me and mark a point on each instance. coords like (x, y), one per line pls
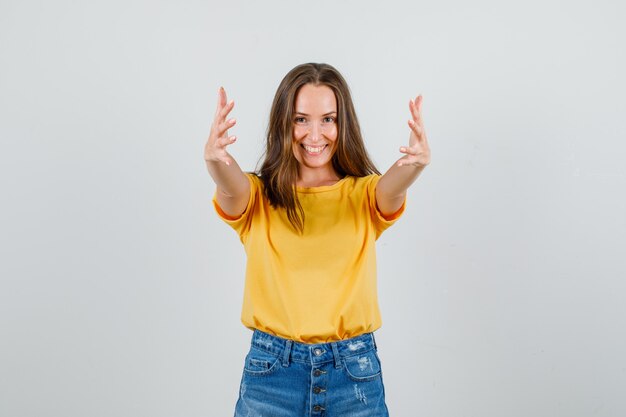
(284, 378)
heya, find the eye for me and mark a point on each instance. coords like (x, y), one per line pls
(329, 119)
(300, 120)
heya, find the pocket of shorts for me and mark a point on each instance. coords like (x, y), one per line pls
(259, 362)
(363, 367)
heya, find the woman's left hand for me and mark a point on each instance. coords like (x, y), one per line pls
(418, 151)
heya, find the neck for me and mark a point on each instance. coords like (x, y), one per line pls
(317, 177)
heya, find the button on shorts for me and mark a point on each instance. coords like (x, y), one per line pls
(284, 378)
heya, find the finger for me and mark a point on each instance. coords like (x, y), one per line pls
(218, 105)
(222, 97)
(402, 161)
(219, 99)
(225, 110)
(223, 127)
(409, 150)
(224, 142)
(416, 128)
(415, 113)
(418, 103)
(413, 109)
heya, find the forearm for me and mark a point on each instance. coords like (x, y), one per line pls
(230, 179)
(393, 185)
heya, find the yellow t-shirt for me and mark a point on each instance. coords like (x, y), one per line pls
(319, 286)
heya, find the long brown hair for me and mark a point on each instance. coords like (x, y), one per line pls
(279, 169)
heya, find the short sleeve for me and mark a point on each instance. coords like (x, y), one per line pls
(381, 222)
(241, 224)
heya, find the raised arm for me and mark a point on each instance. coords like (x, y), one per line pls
(233, 188)
(391, 188)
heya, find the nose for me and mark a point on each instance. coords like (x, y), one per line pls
(315, 132)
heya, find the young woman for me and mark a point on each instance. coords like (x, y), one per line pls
(308, 221)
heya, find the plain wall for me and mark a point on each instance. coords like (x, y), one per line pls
(501, 288)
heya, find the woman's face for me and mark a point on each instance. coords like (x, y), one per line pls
(315, 127)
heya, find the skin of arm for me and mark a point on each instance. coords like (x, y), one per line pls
(233, 187)
(393, 185)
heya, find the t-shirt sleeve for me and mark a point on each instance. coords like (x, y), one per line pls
(381, 222)
(241, 223)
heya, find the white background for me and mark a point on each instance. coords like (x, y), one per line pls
(501, 288)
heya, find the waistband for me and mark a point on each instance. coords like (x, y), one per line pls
(317, 353)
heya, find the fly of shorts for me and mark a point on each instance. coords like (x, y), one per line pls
(285, 378)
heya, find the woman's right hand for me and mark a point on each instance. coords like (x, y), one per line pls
(215, 148)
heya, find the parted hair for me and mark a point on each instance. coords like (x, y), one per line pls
(279, 167)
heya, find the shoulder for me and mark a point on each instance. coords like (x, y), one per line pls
(357, 188)
(365, 182)
(253, 176)
(255, 180)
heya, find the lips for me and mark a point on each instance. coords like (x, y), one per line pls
(314, 150)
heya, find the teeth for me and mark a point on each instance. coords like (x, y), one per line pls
(314, 149)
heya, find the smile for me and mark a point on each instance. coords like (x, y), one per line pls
(314, 150)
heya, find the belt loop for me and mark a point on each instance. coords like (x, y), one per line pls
(374, 341)
(286, 353)
(333, 345)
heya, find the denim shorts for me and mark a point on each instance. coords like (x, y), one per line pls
(284, 378)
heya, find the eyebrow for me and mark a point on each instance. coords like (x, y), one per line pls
(325, 114)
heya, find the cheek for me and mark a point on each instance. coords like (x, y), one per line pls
(332, 133)
(295, 148)
(299, 132)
